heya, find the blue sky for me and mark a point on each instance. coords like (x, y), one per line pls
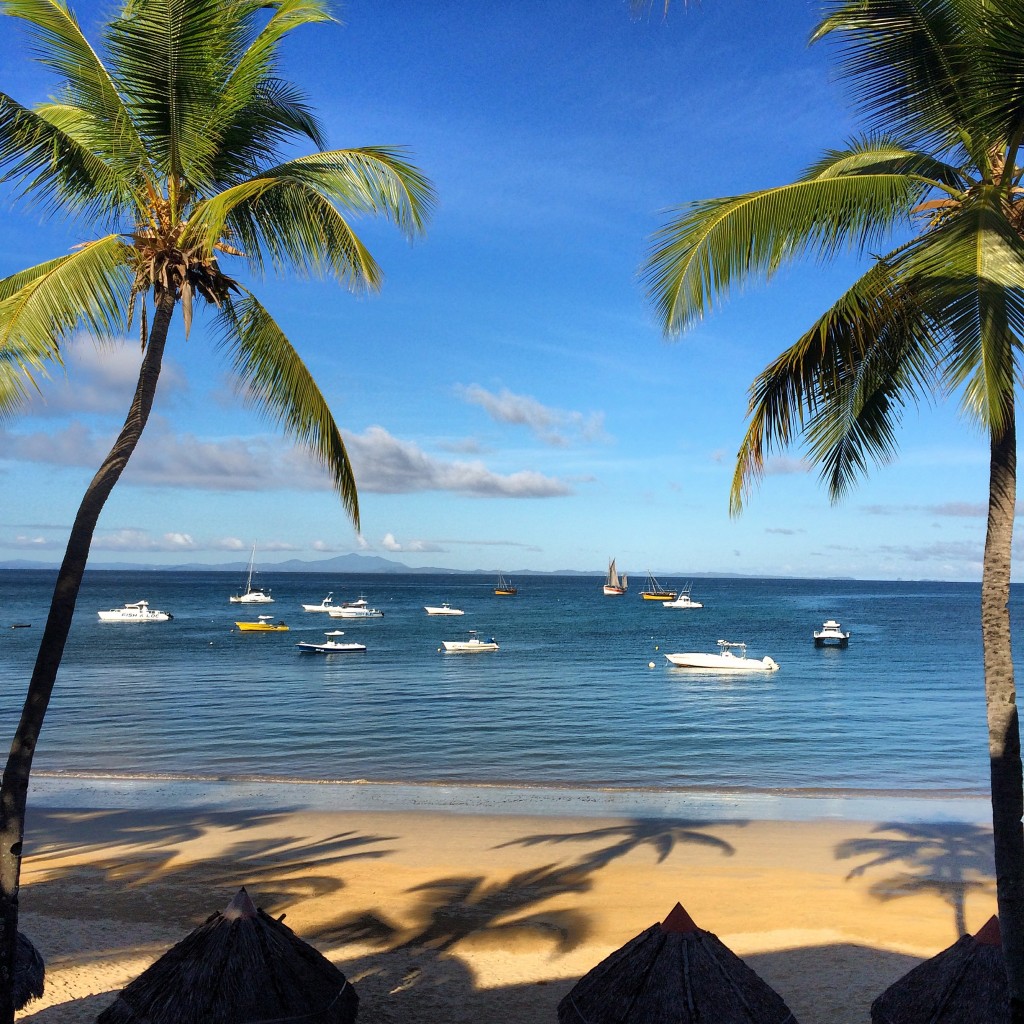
(508, 399)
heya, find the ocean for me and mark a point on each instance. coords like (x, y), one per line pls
(578, 699)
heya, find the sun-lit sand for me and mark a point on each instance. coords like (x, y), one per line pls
(491, 918)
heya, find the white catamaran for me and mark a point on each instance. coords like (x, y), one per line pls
(251, 594)
(613, 584)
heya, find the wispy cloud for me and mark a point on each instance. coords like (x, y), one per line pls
(783, 530)
(954, 509)
(783, 465)
(389, 543)
(556, 427)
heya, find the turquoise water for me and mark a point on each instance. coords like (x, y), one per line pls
(568, 701)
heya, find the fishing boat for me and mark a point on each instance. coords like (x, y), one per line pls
(831, 634)
(471, 646)
(137, 611)
(683, 600)
(324, 606)
(262, 625)
(331, 646)
(442, 609)
(251, 594)
(654, 591)
(731, 657)
(504, 587)
(614, 585)
(355, 611)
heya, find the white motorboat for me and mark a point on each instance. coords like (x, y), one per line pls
(614, 585)
(732, 657)
(443, 609)
(354, 611)
(470, 646)
(683, 600)
(331, 645)
(137, 611)
(251, 594)
(831, 635)
(324, 606)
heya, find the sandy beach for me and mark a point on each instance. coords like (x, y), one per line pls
(491, 918)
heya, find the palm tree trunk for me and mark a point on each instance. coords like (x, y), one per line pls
(1003, 725)
(14, 785)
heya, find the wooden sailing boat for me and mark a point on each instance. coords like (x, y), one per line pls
(654, 591)
(504, 587)
(613, 585)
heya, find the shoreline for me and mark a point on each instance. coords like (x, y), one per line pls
(123, 791)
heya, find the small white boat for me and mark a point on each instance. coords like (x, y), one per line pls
(324, 606)
(725, 660)
(251, 594)
(353, 611)
(831, 635)
(683, 600)
(470, 646)
(331, 646)
(614, 585)
(137, 611)
(443, 609)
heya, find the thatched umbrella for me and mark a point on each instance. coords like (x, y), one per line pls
(673, 973)
(29, 972)
(240, 967)
(964, 984)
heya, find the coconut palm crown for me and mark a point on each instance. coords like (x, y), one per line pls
(934, 185)
(177, 148)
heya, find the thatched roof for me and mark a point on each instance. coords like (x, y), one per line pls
(964, 984)
(673, 971)
(240, 967)
(29, 972)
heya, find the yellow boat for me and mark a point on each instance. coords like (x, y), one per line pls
(504, 587)
(654, 591)
(261, 625)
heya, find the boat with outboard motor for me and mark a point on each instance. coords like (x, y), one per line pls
(330, 645)
(136, 611)
(725, 660)
(262, 625)
(355, 611)
(471, 646)
(324, 606)
(683, 600)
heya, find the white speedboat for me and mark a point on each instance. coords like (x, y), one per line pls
(443, 609)
(137, 611)
(732, 657)
(331, 645)
(470, 646)
(324, 606)
(252, 594)
(683, 600)
(353, 611)
(831, 635)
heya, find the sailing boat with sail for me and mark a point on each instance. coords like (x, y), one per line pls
(251, 594)
(614, 586)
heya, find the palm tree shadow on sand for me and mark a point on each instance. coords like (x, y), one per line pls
(949, 860)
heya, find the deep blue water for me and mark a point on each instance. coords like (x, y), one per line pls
(568, 700)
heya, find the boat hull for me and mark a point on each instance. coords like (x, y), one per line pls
(468, 646)
(330, 648)
(443, 610)
(614, 591)
(665, 595)
(253, 597)
(118, 616)
(261, 627)
(356, 613)
(723, 662)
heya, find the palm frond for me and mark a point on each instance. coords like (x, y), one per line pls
(40, 151)
(884, 155)
(843, 383)
(278, 383)
(911, 63)
(708, 246)
(44, 304)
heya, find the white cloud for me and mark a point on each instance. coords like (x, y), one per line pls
(784, 465)
(557, 427)
(140, 540)
(389, 543)
(382, 464)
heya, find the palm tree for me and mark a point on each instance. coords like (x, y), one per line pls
(172, 147)
(934, 181)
